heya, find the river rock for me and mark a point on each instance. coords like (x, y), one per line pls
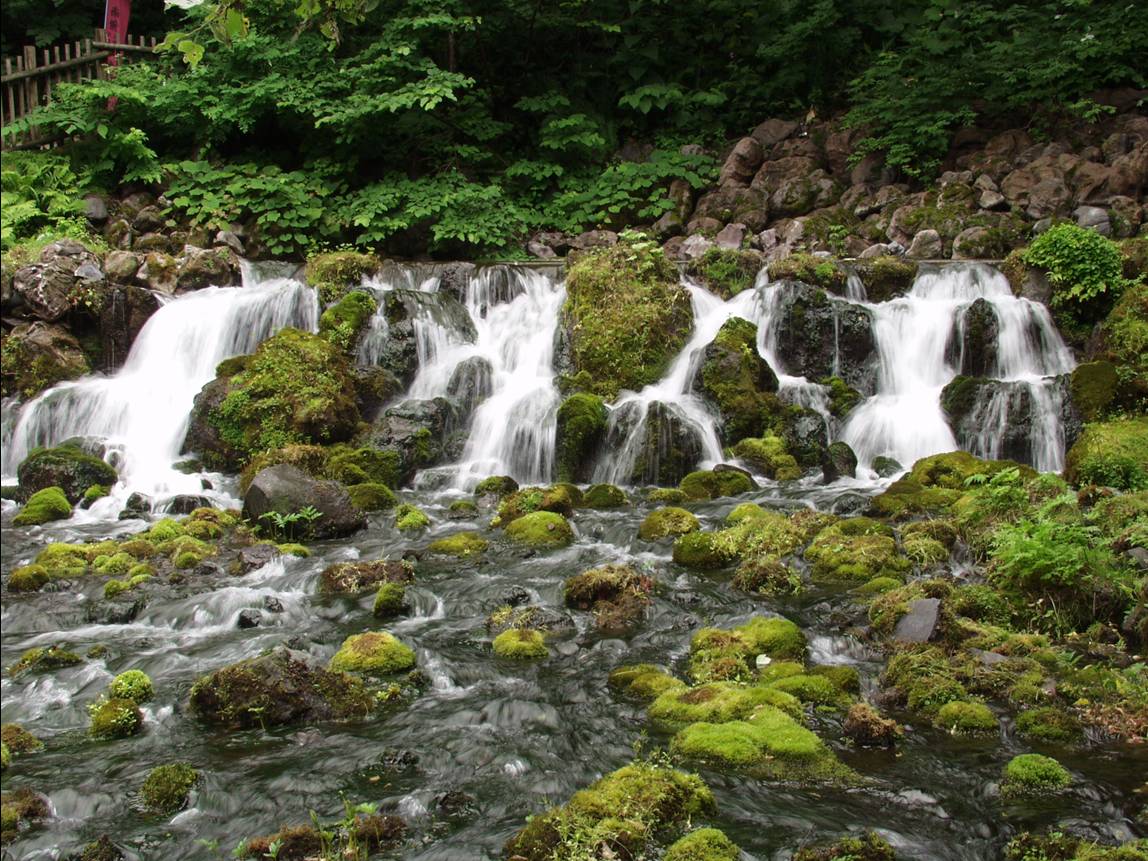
(920, 623)
(159, 272)
(839, 461)
(254, 557)
(742, 163)
(399, 351)
(186, 503)
(50, 288)
(249, 618)
(417, 431)
(817, 335)
(137, 507)
(1093, 218)
(67, 467)
(39, 355)
(287, 490)
(123, 315)
(203, 267)
(736, 379)
(470, 385)
(975, 340)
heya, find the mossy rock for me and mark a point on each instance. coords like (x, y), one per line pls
(627, 314)
(857, 550)
(865, 727)
(520, 644)
(725, 272)
(390, 600)
(622, 811)
(907, 497)
(705, 844)
(770, 456)
(343, 323)
(604, 496)
(581, 426)
(28, 578)
(460, 544)
(886, 277)
(1125, 334)
(717, 702)
(410, 518)
(496, 485)
(766, 575)
(967, 718)
(1093, 387)
(44, 659)
(558, 498)
(771, 744)
(814, 689)
(953, 469)
(738, 381)
(277, 689)
(67, 467)
(644, 681)
(712, 484)
(134, 685)
(115, 718)
(335, 273)
(20, 809)
(1049, 724)
(821, 272)
(868, 847)
(541, 529)
(667, 522)
(701, 551)
(666, 496)
(374, 653)
(1031, 774)
(44, 506)
(842, 398)
(166, 788)
(372, 496)
(355, 577)
(18, 740)
(718, 654)
(1111, 454)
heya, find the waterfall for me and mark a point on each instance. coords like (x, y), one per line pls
(141, 412)
(904, 420)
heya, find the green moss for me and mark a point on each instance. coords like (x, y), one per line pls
(953, 469)
(771, 744)
(1113, 454)
(879, 586)
(164, 530)
(906, 496)
(868, 847)
(373, 653)
(290, 549)
(886, 277)
(644, 681)
(1126, 335)
(725, 272)
(821, 272)
(461, 544)
(735, 377)
(966, 718)
(5, 761)
(925, 678)
(604, 496)
(628, 316)
(18, 740)
(68, 467)
(520, 644)
(541, 529)
(842, 397)
(44, 659)
(1049, 724)
(622, 811)
(96, 491)
(717, 654)
(667, 522)
(390, 600)
(666, 496)
(132, 685)
(371, 496)
(497, 485)
(816, 690)
(166, 787)
(705, 844)
(923, 551)
(186, 560)
(1032, 774)
(115, 718)
(27, 578)
(766, 575)
(701, 551)
(44, 506)
(117, 563)
(410, 518)
(581, 423)
(717, 702)
(857, 549)
(1093, 387)
(114, 588)
(334, 273)
(559, 498)
(711, 485)
(343, 322)
(20, 809)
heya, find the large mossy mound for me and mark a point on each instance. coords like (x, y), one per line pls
(373, 653)
(718, 654)
(542, 529)
(857, 550)
(520, 644)
(627, 314)
(277, 689)
(726, 272)
(624, 812)
(667, 522)
(44, 506)
(296, 388)
(735, 377)
(335, 273)
(705, 844)
(67, 467)
(343, 322)
(718, 702)
(581, 425)
(711, 484)
(1111, 454)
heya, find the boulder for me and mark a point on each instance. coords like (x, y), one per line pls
(66, 275)
(1093, 218)
(975, 340)
(742, 163)
(37, 356)
(920, 623)
(730, 204)
(734, 377)
(121, 266)
(160, 272)
(839, 461)
(67, 467)
(581, 424)
(669, 445)
(470, 385)
(926, 245)
(817, 335)
(417, 431)
(730, 236)
(774, 131)
(203, 267)
(122, 317)
(287, 490)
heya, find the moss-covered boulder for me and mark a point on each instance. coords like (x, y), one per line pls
(68, 467)
(520, 644)
(604, 496)
(705, 844)
(460, 544)
(936, 482)
(966, 718)
(581, 425)
(36, 356)
(886, 277)
(616, 594)
(823, 272)
(559, 499)
(711, 484)
(371, 496)
(343, 322)
(335, 273)
(624, 812)
(735, 377)
(44, 506)
(374, 653)
(410, 518)
(166, 787)
(1031, 775)
(276, 689)
(667, 522)
(1049, 724)
(718, 654)
(865, 727)
(290, 502)
(857, 549)
(769, 456)
(644, 681)
(44, 659)
(115, 718)
(725, 272)
(1125, 335)
(18, 740)
(20, 809)
(1093, 387)
(296, 388)
(1111, 454)
(627, 316)
(542, 529)
(355, 577)
(390, 600)
(134, 685)
(717, 702)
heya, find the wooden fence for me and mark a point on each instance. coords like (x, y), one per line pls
(28, 80)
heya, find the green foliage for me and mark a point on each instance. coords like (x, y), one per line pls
(39, 193)
(132, 685)
(297, 524)
(166, 787)
(1085, 268)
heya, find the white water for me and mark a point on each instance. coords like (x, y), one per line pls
(904, 419)
(141, 413)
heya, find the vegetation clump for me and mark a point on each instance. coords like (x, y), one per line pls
(373, 653)
(342, 323)
(390, 600)
(132, 685)
(705, 844)
(460, 544)
(821, 272)
(1032, 774)
(966, 718)
(44, 506)
(719, 655)
(542, 529)
(581, 422)
(715, 483)
(867, 847)
(1112, 454)
(667, 522)
(410, 518)
(644, 681)
(520, 644)
(617, 594)
(604, 496)
(44, 659)
(166, 787)
(115, 718)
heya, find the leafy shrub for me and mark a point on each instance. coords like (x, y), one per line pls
(39, 192)
(1086, 270)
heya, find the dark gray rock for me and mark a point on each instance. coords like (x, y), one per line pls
(249, 618)
(839, 461)
(253, 557)
(47, 289)
(470, 385)
(137, 506)
(817, 335)
(186, 503)
(886, 467)
(975, 340)
(287, 490)
(920, 623)
(69, 468)
(669, 447)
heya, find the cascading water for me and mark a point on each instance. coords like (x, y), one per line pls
(904, 420)
(141, 413)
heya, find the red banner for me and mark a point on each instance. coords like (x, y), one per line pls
(116, 15)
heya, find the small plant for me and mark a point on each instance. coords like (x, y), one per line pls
(1085, 268)
(293, 526)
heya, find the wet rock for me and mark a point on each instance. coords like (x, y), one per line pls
(249, 618)
(272, 604)
(286, 489)
(416, 431)
(66, 274)
(203, 267)
(230, 240)
(123, 315)
(254, 557)
(817, 335)
(37, 356)
(594, 239)
(159, 272)
(735, 378)
(535, 617)
(136, 508)
(186, 503)
(1093, 218)
(773, 131)
(972, 243)
(976, 339)
(67, 467)
(669, 445)
(730, 236)
(470, 385)
(920, 623)
(354, 577)
(839, 461)
(886, 467)
(581, 424)
(695, 247)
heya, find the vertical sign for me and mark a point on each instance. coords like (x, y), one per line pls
(116, 15)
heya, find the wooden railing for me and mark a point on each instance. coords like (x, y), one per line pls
(28, 80)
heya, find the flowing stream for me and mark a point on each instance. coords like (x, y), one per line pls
(488, 742)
